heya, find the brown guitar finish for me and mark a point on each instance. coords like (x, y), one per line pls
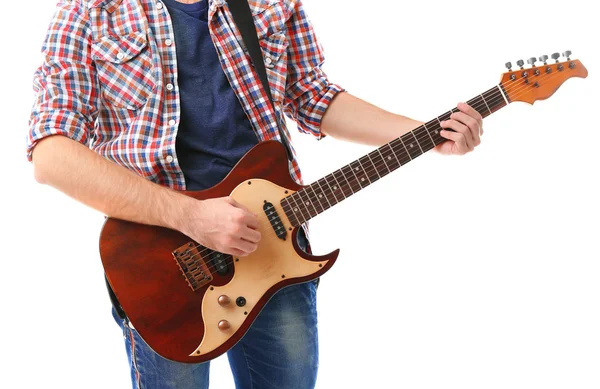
(158, 300)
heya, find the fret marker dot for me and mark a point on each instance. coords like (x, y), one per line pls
(362, 179)
(321, 196)
(411, 145)
(390, 158)
(335, 188)
(356, 169)
(307, 203)
(295, 209)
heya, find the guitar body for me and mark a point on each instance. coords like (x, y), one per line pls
(186, 320)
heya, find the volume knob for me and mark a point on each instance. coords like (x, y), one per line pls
(224, 300)
(224, 325)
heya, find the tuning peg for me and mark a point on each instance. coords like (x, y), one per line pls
(556, 56)
(567, 54)
(532, 61)
(520, 63)
(508, 66)
(544, 59)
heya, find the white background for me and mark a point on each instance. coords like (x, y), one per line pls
(479, 271)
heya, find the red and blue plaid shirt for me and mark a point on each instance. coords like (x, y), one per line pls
(109, 79)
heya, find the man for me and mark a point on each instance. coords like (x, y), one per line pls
(154, 95)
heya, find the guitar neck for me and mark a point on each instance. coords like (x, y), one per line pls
(328, 191)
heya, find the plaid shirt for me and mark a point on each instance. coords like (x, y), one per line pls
(109, 79)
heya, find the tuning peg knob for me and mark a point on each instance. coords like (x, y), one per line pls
(556, 56)
(544, 59)
(567, 54)
(520, 63)
(532, 61)
(508, 66)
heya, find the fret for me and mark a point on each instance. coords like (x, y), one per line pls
(400, 152)
(374, 166)
(314, 200)
(425, 141)
(390, 160)
(428, 133)
(407, 153)
(416, 140)
(354, 168)
(297, 208)
(293, 215)
(365, 172)
(353, 180)
(340, 183)
(332, 188)
(347, 190)
(385, 160)
(318, 182)
(478, 105)
(486, 104)
(410, 145)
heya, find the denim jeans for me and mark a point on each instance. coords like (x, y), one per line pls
(279, 351)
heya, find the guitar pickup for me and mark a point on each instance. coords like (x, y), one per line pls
(275, 220)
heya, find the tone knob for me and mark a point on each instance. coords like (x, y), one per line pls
(224, 325)
(224, 300)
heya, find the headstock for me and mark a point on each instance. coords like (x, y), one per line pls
(540, 82)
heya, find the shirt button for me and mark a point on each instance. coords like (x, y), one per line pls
(171, 122)
(120, 56)
(159, 5)
(169, 158)
(268, 61)
(168, 42)
(170, 87)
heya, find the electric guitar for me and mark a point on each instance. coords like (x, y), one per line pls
(192, 304)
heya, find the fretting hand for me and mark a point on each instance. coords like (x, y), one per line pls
(467, 129)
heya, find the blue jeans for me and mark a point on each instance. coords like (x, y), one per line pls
(279, 351)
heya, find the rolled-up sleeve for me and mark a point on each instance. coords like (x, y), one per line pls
(65, 85)
(308, 90)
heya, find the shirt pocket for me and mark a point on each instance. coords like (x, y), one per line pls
(274, 48)
(269, 16)
(124, 67)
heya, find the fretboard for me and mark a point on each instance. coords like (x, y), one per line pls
(343, 183)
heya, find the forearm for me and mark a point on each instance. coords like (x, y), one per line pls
(352, 119)
(77, 171)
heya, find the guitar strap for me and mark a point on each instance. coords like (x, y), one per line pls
(242, 16)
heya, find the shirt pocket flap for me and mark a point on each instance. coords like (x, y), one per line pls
(119, 49)
(273, 47)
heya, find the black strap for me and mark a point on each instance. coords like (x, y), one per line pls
(242, 16)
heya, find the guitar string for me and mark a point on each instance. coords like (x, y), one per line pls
(270, 233)
(424, 135)
(516, 91)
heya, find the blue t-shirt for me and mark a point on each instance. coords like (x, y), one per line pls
(214, 132)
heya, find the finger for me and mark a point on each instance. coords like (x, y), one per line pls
(471, 123)
(237, 253)
(472, 112)
(250, 220)
(457, 138)
(245, 246)
(459, 128)
(251, 235)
